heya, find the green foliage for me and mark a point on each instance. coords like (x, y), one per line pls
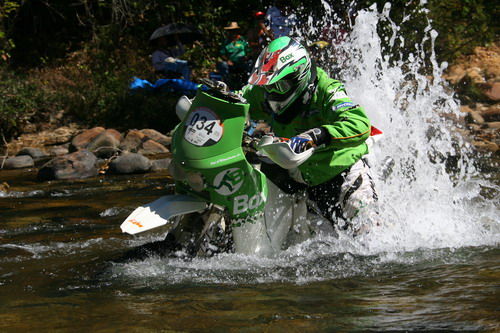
(20, 101)
(8, 10)
(463, 25)
(79, 57)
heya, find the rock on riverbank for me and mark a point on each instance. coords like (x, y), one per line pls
(476, 79)
(68, 153)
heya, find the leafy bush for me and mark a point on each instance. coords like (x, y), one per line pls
(463, 24)
(83, 63)
(20, 101)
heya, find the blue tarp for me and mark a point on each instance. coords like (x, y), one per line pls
(171, 85)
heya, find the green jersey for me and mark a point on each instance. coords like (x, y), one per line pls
(236, 51)
(331, 108)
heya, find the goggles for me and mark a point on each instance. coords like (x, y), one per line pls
(281, 87)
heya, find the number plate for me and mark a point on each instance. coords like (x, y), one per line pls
(203, 128)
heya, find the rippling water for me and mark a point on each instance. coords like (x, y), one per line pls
(433, 265)
(59, 270)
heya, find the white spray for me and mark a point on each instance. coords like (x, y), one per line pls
(422, 206)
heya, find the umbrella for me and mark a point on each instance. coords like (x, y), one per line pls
(184, 32)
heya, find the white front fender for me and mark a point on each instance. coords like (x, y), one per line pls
(160, 212)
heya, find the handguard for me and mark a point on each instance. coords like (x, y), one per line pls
(182, 107)
(281, 153)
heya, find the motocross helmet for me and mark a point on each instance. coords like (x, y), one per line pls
(283, 69)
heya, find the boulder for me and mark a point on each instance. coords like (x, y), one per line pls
(486, 146)
(474, 128)
(157, 136)
(475, 74)
(493, 93)
(19, 162)
(491, 113)
(475, 117)
(133, 141)
(161, 164)
(105, 144)
(77, 165)
(130, 163)
(151, 147)
(465, 109)
(494, 124)
(58, 150)
(57, 136)
(35, 153)
(454, 73)
(84, 138)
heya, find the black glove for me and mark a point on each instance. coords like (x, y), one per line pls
(311, 138)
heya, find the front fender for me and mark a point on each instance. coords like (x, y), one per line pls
(161, 212)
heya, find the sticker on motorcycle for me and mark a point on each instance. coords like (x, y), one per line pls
(228, 181)
(242, 203)
(203, 128)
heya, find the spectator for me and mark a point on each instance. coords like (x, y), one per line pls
(166, 60)
(234, 52)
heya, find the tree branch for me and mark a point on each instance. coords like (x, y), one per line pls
(4, 158)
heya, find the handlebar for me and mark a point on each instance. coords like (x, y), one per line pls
(281, 153)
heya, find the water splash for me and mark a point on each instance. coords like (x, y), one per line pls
(429, 191)
(424, 202)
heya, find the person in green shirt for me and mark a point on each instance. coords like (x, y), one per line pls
(299, 101)
(234, 51)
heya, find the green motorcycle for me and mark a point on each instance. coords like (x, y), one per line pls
(223, 202)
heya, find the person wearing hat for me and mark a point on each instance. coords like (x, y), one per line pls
(235, 53)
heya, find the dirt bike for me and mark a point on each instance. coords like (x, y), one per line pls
(223, 202)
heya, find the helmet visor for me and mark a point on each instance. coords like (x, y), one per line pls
(281, 87)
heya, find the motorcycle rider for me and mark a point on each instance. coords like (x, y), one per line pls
(299, 101)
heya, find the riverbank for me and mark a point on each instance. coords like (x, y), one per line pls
(68, 153)
(474, 78)
(476, 81)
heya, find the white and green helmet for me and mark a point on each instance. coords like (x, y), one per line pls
(283, 69)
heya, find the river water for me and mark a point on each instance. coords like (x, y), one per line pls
(432, 265)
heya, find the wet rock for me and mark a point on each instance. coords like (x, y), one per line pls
(161, 164)
(133, 141)
(493, 93)
(157, 136)
(486, 146)
(58, 150)
(465, 109)
(100, 163)
(83, 139)
(494, 125)
(35, 153)
(491, 113)
(474, 128)
(77, 165)
(19, 162)
(151, 147)
(61, 135)
(105, 144)
(130, 163)
(475, 117)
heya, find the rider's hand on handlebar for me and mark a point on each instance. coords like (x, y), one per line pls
(300, 144)
(311, 138)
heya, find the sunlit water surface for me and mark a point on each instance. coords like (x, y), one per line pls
(433, 264)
